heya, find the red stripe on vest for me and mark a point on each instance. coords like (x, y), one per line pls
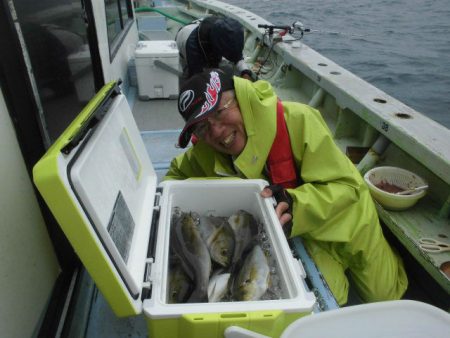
(280, 163)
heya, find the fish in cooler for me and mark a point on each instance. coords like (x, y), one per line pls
(253, 277)
(180, 285)
(219, 238)
(245, 229)
(240, 270)
(193, 253)
(218, 286)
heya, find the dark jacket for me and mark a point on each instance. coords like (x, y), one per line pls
(204, 44)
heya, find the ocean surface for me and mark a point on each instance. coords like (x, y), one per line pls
(399, 46)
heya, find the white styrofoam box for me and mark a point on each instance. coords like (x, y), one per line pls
(153, 80)
(223, 197)
(390, 319)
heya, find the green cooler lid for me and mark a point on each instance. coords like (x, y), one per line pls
(99, 183)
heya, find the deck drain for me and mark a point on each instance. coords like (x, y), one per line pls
(335, 73)
(403, 116)
(379, 100)
(322, 64)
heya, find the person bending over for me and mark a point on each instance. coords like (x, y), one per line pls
(203, 43)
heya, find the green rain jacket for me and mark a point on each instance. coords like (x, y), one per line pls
(332, 208)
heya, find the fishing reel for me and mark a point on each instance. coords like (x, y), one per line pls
(270, 29)
(297, 26)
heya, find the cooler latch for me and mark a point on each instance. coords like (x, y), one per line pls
(158, 194)
(148, 270)
(147, 284)
(299, 267)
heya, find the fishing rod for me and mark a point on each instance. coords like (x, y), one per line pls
(337, 33)
(284, 29)
(293, 30)
(298, 26)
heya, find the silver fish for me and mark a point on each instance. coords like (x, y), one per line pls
(245, 229)
(218, 286)
(194, 256)
(253, 278)
(219, 238)
(180, 285)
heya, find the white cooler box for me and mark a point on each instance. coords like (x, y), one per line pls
(100, 184)
(157, 68)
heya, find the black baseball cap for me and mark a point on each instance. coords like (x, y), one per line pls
(199, 98)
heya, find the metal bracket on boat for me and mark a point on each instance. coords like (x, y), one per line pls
(166, 67)
(373, 155)
(317, 99)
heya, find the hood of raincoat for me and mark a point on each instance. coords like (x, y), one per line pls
(257, 103)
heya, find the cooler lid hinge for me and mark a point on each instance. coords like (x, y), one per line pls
(93, 119)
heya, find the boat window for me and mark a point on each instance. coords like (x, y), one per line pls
(56, 44)
(119, 17)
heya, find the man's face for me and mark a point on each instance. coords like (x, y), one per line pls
(224, 130)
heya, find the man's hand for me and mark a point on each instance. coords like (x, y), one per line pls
(284, 205)
(249, 75)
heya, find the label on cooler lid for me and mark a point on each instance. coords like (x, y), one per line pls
(121, 226)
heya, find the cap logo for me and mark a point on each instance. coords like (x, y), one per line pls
(211, 93)
(185, 100)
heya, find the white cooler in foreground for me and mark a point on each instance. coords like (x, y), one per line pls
(100, 185)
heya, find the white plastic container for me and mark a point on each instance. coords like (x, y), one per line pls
(400, 178)
(102, 189)
(393, 319)
(157, 81)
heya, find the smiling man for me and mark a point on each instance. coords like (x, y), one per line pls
(218, 122)
(237, 126)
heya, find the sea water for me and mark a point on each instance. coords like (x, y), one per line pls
(400, 46)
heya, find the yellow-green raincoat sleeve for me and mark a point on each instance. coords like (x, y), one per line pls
(332, 188)
(334, 213)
